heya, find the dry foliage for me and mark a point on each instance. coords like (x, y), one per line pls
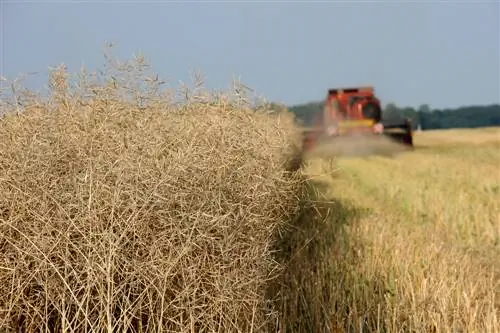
(123, 210)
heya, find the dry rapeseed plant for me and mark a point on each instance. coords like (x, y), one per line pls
(115, 217)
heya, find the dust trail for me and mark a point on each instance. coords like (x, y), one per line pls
(356, 146)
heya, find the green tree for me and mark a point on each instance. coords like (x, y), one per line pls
(424, 108)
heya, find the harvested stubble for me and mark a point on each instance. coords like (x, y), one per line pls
(116, 219)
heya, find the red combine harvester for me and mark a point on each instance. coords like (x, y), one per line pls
(351, 112)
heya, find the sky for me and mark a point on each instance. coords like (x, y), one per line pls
(441, 53)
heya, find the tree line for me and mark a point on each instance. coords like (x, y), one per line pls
(424, 116)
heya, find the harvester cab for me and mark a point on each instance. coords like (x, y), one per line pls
(354, 112)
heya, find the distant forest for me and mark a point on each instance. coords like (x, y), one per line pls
(427, 118)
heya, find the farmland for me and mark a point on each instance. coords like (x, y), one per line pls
(122, 215)
(404, 243)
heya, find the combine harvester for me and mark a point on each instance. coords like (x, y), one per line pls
(350, 123)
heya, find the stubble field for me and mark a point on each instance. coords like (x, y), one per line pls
(406, 243)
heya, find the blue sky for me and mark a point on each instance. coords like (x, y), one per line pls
(445, 54)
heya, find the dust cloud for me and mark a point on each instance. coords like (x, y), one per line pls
(356, 146)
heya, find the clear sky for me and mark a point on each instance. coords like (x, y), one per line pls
(445, 54)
